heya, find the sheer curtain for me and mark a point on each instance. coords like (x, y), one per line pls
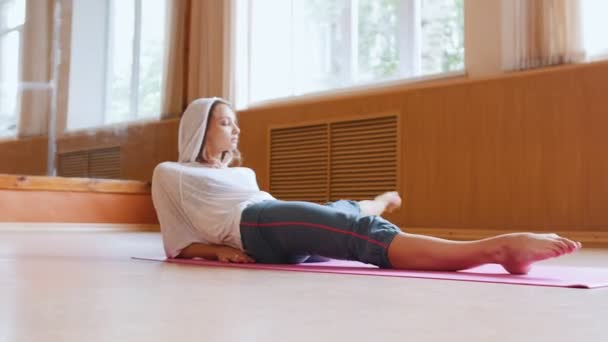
(539, 33)
(199, 53)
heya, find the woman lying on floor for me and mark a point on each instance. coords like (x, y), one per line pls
(211, 210)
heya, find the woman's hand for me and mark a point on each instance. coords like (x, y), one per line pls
(229, 254)
(215, 252)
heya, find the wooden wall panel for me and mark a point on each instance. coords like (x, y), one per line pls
(522, 151)
(24, 156)
(595, 142)
(142, 146)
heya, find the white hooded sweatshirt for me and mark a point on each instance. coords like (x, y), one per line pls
(196, 203)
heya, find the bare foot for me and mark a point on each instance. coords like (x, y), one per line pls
(390, 199)
(518, 251)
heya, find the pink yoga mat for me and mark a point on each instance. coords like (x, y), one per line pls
(540, 275)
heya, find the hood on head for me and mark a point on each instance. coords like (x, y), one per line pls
(192, 128)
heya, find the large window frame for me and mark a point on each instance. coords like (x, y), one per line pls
(103, 83)
(409, 56)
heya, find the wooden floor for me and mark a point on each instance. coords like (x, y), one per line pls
(65, 283)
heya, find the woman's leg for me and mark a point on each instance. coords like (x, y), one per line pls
(279, 232)
(290, 232)
(515, 252)
(357, 209)
(388, 201)
(348, 207)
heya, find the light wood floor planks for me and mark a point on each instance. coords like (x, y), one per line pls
(81, 285)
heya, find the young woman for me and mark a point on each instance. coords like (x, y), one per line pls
(208, 209)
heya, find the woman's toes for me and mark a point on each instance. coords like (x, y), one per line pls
(571, 244)
(574, 245)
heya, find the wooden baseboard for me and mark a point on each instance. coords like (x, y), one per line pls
(77, 227)
(44, 183)
(587, 238)
(62, 199)
(76, 207)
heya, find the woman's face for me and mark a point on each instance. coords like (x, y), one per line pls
(223, 133)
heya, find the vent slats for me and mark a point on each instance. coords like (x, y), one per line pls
(96, 163)
(315, 199)
(284, 175)
(305, 155)
(306, 188)
(315, 192)
(289, 148)
(298, 163)
(301, 193)
(362, 142)
(311, 181)
(359, 179)
(73, 164)
(354, 159)
(346, 157)
(307, 137)
(374, 123)
(298, 129)
(356, 167)
(372, 134)
(364, 158)
(295, 135)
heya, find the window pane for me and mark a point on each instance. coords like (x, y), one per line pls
(120, 61)
(378, 45)
(271, 50)
(12, 14)
(4, 13)
(442, 36)
(9, 66)
(595, 27)
(321, 45)
(302, 46)
(16, 14)
(151, 57)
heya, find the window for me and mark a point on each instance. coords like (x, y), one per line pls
(303, 46)
(12, 16)
(117, 61)
(594, 28)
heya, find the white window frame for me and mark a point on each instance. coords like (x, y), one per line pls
(3, 34)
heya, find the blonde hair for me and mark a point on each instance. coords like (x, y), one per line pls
(228, 158)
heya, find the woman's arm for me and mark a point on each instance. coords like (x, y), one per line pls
(215, 252)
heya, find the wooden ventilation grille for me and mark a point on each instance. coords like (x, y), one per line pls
(354, 159)
(73, 164)
(97, 163)
(299, 163)
(363, 160)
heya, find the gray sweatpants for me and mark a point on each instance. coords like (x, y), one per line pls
(280, 232)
